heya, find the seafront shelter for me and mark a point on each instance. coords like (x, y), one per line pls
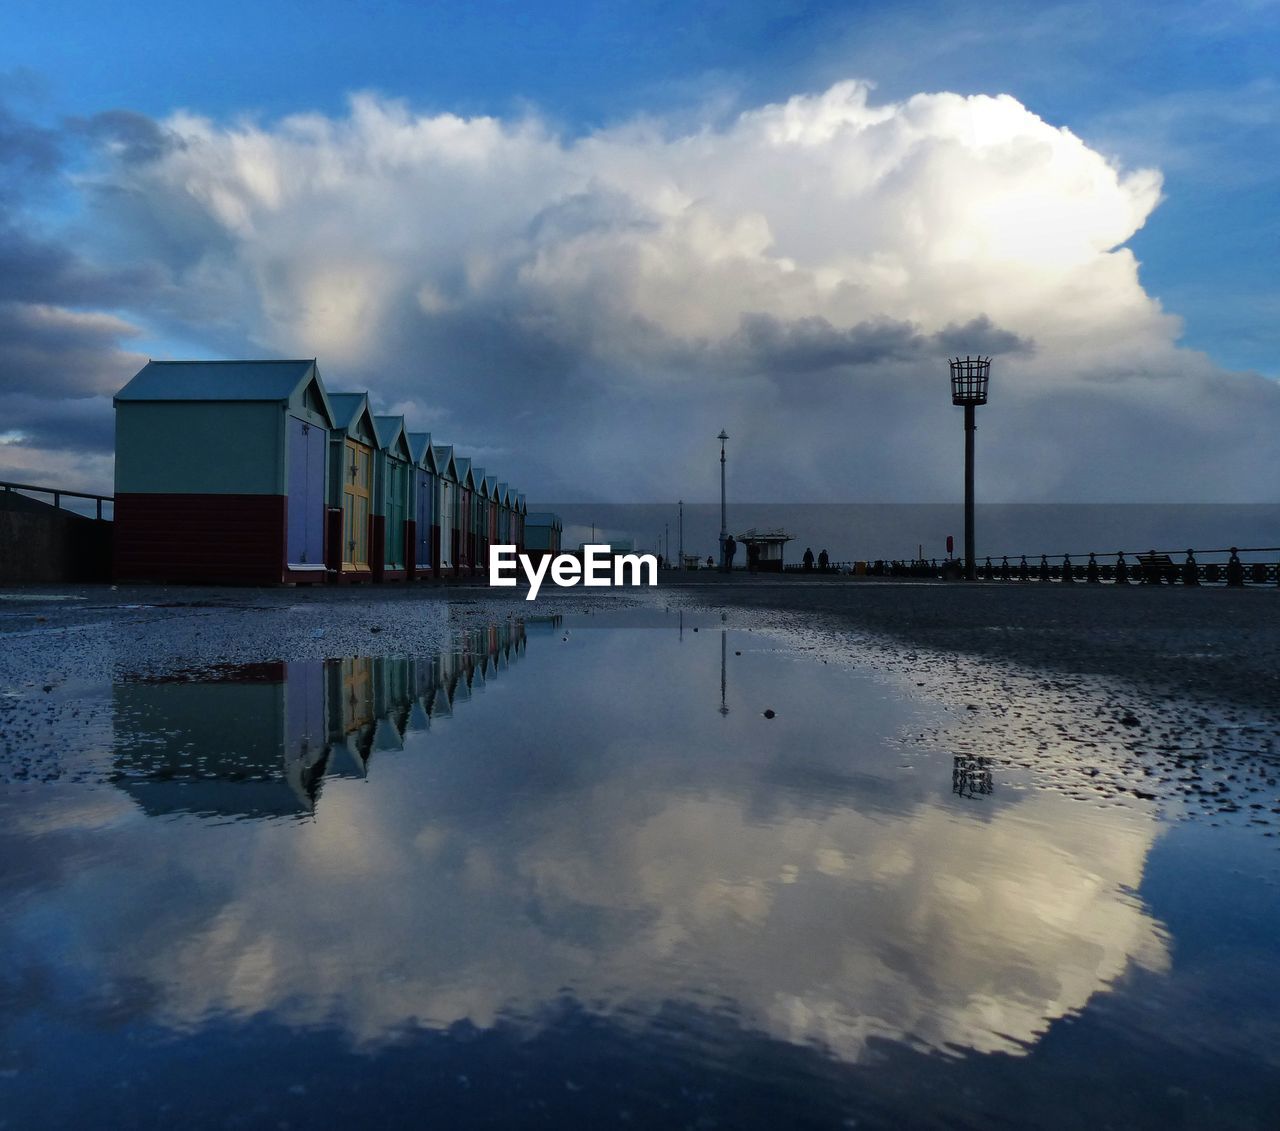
(221, 473)
(422, 502)
(353, 444)
(447, 502)
(542, 534)
(391, 520)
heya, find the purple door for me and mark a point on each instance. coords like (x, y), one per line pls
(306, 446)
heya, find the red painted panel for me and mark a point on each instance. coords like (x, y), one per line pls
(230, 539)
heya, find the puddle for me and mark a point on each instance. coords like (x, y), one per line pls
(572, 873)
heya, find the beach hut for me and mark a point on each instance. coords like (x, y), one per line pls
(465, 542)
(504, 514)
(446, 505)
(542, 534)
(422, 504)
(521, 511)
(353, 445)
(391, 530)
(220, 472)
(480, 520)
(491, 497)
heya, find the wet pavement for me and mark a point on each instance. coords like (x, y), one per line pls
(706, 856)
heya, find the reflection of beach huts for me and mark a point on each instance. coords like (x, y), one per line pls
(391, 505)
(221, 473)
(257, 740)
(353, 445)
(246, 741)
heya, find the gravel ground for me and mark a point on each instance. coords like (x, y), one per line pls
(1159, 696)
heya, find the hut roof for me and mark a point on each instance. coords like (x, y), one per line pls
(348, 408)
(226, 381)
(544, 518)
(463, 465)
(392, 434)
(444, 460)
(420, 447)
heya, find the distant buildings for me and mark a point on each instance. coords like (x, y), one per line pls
(251, 472)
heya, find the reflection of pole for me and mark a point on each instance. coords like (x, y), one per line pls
(682, 534)
(970, 426)
(724, 652)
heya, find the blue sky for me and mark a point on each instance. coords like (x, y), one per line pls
(1191, 89)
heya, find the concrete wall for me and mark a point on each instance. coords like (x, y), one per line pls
(40, 543)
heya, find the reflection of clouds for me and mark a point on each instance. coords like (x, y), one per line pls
(824, 925)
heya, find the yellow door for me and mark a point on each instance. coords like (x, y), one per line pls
(357, 487)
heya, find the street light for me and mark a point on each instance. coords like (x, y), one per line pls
(969, 388)
(724, 518)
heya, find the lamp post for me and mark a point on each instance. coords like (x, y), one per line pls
(724, 517)
(680, 565)
(969, 388)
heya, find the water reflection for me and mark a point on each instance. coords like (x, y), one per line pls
(258, 740)
(597, 835)
(971, 775)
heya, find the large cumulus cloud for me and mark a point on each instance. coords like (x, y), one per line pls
(797, 275)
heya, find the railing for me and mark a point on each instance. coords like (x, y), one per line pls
(59, 494)
(1150, 567)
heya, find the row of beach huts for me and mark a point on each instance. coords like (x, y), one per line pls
(251, 472)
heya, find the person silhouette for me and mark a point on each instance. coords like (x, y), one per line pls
(730, 548)
(823, 560)
(808, 558)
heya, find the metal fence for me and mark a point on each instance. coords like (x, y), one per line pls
(1148, 567)
(79, 507)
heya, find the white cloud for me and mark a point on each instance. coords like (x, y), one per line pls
(601, 290)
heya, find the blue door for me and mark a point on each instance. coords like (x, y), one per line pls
(307, 444)
(426, 495)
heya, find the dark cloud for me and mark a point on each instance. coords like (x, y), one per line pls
(86, 424)
(766, 344)
(25, 150)
(129, 136)
(50, 352)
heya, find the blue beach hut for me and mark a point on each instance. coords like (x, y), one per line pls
(422, 501)
(391, 504)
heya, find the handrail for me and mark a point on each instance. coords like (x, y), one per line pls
(57, 493)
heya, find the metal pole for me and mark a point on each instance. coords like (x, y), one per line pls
(666, 544)
(970, 426)
(681, 565)
(724, 517)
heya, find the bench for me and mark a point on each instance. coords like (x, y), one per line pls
(1156, 568)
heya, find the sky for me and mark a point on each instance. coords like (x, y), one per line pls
(576, 240)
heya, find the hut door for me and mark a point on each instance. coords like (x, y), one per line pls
(357, 482)
(426, 487)
(305, 504)
(397, 488)
(446, 523)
